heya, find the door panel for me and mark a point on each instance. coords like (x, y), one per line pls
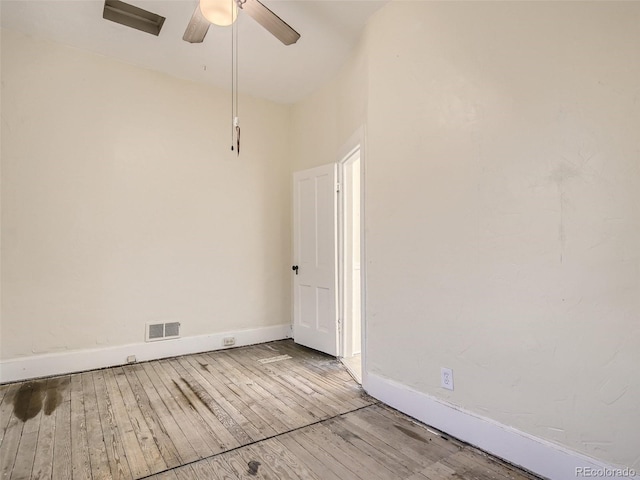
(314, 245)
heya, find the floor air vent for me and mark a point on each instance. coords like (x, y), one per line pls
(162, 331)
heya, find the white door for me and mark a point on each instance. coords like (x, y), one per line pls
(315, 322)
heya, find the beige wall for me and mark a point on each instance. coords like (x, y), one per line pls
(322, 123)
(122, 204)
(503, 213)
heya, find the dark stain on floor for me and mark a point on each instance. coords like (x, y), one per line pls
(184, 395)
(253, 465)
(343, 433)
(28, 401)
(204, 366)
(412, 434)
(54, 396)
(31, 396)
(200, 394)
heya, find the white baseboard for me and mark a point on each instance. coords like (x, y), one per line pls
(81, 360)
(534, 454)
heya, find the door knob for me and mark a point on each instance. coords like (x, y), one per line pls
(295, 269)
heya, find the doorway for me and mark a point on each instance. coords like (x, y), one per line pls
(328, 258)
(349, 261)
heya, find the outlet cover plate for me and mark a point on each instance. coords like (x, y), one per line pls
(446, 378)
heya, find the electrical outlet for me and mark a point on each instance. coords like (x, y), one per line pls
(131, 359)
(446, 378)
(229, 341)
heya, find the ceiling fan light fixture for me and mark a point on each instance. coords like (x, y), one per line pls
(219, 12)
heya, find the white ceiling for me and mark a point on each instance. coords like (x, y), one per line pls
(329, 30)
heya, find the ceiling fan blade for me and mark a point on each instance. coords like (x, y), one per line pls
(270, 21)
(197, 28)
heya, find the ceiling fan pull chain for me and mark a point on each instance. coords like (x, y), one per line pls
(236, 122)
(233, 116)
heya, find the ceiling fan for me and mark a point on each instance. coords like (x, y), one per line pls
(199, 24)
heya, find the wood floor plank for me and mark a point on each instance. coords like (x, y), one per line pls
(414, 436)
(322, 379)
(472, 464)
(377, 443)
(10, 444)
(6, 408)
(285, 388)
(221, 470)
(114, 443)
(237, 411)
(214, 468)
(393, 438)
(239, 405)
(379, 465)
(437, 471)
(416, 431)
(100, 469)
(323, 365)
(249, 362)
(61, 469)
(188, 473)
(193, 411)
(325, 405)
(194, 381)
(297, 382)
(166, 410)
(305, 458)
(23, 466)
(241, 468)
(491, 464)
(299, 415)
(168, 475)
(80, 461)
(325, 460)
(206, 407)
(182, 410)
(246, 364)
(165, 443)
(6, 405)
(43, 459)
(344, 453)
(256, 464)
(3, 390)
(283, 462)
(146, 438)
(291, 415)
(134, 453)
(462, 468)
(367, 446)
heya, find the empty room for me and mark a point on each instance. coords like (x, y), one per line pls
(319, 239)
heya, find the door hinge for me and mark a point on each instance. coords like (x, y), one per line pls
(339, 326)
(338, 187)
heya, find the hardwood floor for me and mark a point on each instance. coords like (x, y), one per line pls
(273, 411)
(354, 367)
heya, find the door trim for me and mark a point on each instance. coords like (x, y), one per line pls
(357, 141)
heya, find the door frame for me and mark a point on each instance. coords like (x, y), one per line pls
(355, 143)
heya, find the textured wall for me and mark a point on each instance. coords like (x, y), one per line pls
(503, 213)
(122, 204)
